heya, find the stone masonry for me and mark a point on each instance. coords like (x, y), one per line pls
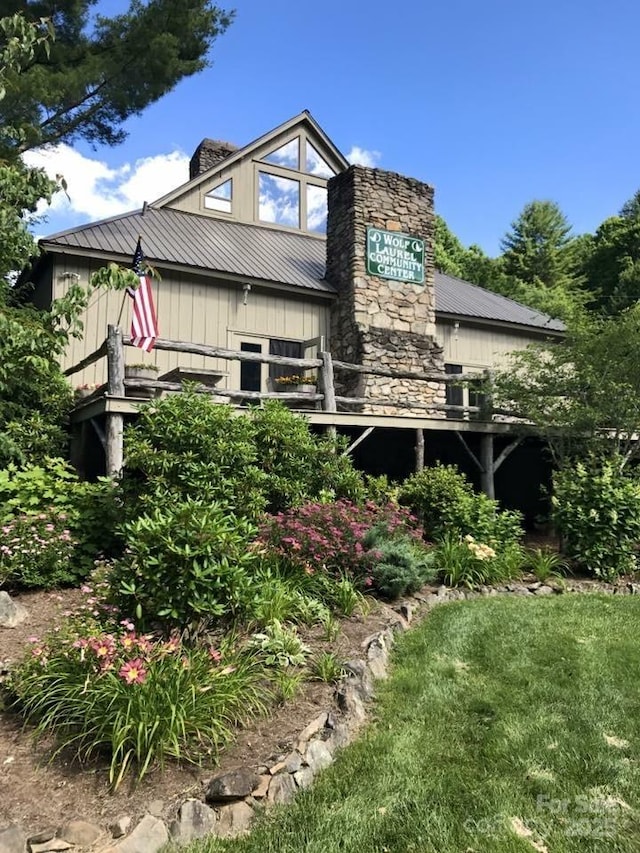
(375, 321)
(209, 153)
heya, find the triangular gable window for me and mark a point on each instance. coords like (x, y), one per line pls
(219, 198)
(317, 165)
(287, 155)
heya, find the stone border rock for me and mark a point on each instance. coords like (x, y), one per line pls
(232, 800)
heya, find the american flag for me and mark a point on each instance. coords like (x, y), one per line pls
(144, 325)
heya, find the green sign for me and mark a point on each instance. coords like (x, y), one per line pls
(398, 257)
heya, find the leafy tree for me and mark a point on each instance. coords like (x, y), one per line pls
(613, 267)
(100, 71)
(583, 393)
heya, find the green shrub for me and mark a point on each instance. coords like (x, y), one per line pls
(91, 510)
(137, 700)
(298, 465)
(36, 551)
(400, 564)
(276, 596)
(445, 502)
(187, 447)
(596, 509)
(184, 564)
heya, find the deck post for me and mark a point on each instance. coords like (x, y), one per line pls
(115, 422)
(328, 388)
(487, 482)
(419, 450)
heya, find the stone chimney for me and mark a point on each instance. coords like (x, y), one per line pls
(380, 233)
(208, 154)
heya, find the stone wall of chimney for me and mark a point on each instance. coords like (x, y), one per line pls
(375, 321)
(208, 154)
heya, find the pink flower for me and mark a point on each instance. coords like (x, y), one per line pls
(215, 655)
(133, 672)
(368, 581)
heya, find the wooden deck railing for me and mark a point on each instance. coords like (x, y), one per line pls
(323, 365)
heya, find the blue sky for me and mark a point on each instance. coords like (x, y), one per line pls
(494, 103)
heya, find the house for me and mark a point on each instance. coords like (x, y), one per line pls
(282, 248)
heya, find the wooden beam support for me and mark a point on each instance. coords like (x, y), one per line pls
(506, 452)
(470, 452)
(358, 440)
(487, 482)
(90, 359)
(419, 450)
(114, 450)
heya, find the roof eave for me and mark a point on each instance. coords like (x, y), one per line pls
(542, 331)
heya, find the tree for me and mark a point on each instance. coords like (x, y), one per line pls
(613, 267)
(100, 71)
(583, 393)
(537, 249)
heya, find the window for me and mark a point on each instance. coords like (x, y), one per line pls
(219, 198)
(279, 200)
(250, 371)
(290, 349)
(468, 395)
(293, 192)
(454, 393)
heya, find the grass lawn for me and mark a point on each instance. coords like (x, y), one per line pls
(503, 716)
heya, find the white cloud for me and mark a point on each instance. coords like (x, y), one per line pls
(363, 157)
(97, 191)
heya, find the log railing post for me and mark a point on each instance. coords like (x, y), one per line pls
(419, 450)
(115, 421)
(328, 388)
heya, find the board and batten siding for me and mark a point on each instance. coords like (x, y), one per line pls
(195, 309)
(481, 347)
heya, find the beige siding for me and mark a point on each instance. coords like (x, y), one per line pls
(192, 309)
(480, 347)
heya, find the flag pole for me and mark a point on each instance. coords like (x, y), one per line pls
(126, 292)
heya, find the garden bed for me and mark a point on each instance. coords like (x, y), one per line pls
(38, 794)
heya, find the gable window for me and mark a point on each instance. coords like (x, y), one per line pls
(287, 155)
(219, 198)
(279, 200)
(292, 186)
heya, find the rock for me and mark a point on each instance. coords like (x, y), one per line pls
(80, 832)
(42, 836)
(12, 839)
(349, 701)
(156, 807)
(312, 729)
(261, 791)
(235, 785)
(12, 613)
(304, 777)
(282, 788)
(195, 820)
(359, 678)
(234, 819)
(544, 590)
(339, 737)
(290, 763)
(406, 611)
(378, 657)
(55, 845)
(120, 826)
(318, 756)
(148, 837)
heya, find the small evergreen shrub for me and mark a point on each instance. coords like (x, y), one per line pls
(132, 698)
(400, 564)
(184, 564)
(596, 509)
(445, 502)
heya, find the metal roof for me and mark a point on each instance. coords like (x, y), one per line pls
(267, 254)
